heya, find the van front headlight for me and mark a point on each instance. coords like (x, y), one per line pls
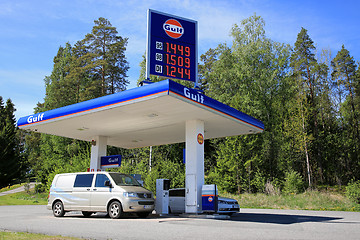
(130, 194)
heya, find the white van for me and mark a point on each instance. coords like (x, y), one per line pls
(92, 192)
(177, 203)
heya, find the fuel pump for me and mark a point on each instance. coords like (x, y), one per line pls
(209, 198)
(162, 196)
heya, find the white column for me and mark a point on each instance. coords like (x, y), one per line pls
(194, 165)
(98, 149)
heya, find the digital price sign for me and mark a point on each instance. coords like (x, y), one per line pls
(172, 47)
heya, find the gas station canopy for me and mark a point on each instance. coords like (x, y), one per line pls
(150, 115)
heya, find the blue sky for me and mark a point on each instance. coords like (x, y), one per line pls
(32, 31)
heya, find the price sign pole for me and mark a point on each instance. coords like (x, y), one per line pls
(171, 47)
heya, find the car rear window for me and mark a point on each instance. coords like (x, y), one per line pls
(83, 180)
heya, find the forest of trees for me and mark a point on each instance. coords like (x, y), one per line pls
(308, 99)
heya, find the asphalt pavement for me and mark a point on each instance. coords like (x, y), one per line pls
(249, 224)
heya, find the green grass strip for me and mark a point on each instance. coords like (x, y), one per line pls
(24, 198)
(310, 200)
(5, 235)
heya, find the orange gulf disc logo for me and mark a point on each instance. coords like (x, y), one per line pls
(173, 28)
(200, 138)
(210, 199)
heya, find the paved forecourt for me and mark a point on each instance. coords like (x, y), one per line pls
(249, 224)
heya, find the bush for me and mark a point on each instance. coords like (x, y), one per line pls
(27, 187)
(271, 188)
(293, 183)
(39, 188)
(258, 182)
(353, 191)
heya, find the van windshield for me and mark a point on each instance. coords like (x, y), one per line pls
(124, 179)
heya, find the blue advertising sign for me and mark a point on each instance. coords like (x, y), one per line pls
(172, 47)
(110, 161)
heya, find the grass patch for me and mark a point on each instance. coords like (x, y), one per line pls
(310, 200)
(11, 187)
(32, 236)
(24, 198)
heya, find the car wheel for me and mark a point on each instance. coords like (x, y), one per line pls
(58, 209)
(115, 210)
(86, 214)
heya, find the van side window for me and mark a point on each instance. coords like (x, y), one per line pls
(100, 180)
(83, 180)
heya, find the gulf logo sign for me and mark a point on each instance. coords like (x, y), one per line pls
(200, 138)
(173, 28)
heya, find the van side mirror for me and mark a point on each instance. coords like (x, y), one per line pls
(107, 183)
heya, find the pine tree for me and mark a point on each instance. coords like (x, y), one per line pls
(11, 162)
(109, 60)
(59, 91)
(344, 76)
(308, 76)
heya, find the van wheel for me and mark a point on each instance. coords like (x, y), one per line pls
(58, 209)
(115, 210)
(86, 214)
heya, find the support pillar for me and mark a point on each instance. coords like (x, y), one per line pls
(194, 170)
(98, 149)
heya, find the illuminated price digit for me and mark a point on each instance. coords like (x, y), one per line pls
(187, 62)
(180, 61)
(181, 72)
(187, 51)
(173, 71)
(173, 47)
(167, 70)
(187, 73)
(173, 60)
(181, 49)
(170, 71)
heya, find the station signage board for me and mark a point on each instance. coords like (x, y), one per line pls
(110, 161)
(171, 47)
